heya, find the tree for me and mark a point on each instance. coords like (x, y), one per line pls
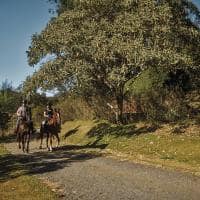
(9, 101)
(100, 45)
(9, 97)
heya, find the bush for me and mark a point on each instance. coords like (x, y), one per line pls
(37, 115)
(73, 107)
(164, 105)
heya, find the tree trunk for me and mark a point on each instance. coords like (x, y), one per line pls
(120, 104)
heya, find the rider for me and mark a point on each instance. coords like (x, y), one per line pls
(48, 113)
(23, 114)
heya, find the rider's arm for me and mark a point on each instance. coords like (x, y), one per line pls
(19, 112)
(45, 114)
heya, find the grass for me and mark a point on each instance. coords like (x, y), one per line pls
(19, 186)
(138, 142)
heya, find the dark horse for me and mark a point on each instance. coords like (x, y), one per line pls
(23, 132)
(51, 128)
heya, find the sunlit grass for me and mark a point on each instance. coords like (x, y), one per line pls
(165, 149)
(22, 187)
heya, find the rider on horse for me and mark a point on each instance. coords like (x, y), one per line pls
(23, 114)
(48, 114)
(51, 126)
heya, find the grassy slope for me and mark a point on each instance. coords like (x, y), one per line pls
(21, 186)
(139, 142)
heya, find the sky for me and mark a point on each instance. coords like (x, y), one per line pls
(197, 2)
(19, 20)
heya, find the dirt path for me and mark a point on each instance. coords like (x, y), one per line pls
(90, 177)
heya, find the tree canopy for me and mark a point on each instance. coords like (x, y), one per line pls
(102, 44)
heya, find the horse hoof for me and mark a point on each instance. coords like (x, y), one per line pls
(40, 147)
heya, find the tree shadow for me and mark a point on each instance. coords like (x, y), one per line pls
(71, 132)
(13, 166)
(81, 147)
(8, 138)
(100, 130)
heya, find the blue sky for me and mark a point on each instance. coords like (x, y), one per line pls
(19, 19)
(197, 2)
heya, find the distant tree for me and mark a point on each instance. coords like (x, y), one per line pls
(9, 97)
(98, 46)
(9, 101)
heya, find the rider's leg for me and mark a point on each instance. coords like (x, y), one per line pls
(17, 126)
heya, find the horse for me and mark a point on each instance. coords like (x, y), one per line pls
(23, 132)
(51, 128)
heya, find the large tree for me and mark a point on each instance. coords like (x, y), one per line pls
(100, 45)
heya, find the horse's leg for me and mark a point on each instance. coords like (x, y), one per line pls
(41, 139)
(17, 137)
(58, 140)
(23, 142)
(41, 136)
(27, 141)
(51, 138)
(19, 140)
(47, 140)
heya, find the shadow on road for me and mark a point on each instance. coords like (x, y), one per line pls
(8, 138)
(13, 166)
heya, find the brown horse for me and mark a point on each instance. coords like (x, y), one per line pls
(51, 128)
(23, 134)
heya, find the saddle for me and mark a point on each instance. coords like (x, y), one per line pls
(54, 122)
(51, 121)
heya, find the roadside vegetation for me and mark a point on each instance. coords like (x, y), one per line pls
(14, 184)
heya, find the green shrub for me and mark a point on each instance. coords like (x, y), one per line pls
(164, 105)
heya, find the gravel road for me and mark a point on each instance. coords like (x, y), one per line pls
(85, 176)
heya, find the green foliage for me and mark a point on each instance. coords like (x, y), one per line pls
(9, 102)
(101, 45)
(37, 115)
(164, 105)
(9, 97)
(150, 79)
(73, 107)
(108, 39)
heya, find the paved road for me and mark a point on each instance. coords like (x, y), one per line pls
(88, 177)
